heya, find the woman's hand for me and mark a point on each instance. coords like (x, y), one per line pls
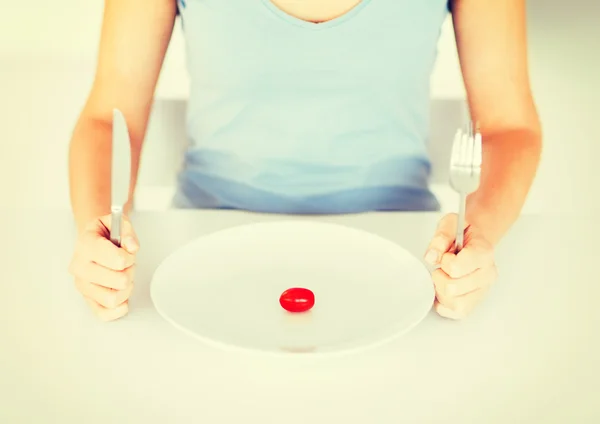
(461, 280)
(104, 272)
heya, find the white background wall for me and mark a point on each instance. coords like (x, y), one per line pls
(47, 57)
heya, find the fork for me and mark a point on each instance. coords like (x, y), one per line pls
(465, 173)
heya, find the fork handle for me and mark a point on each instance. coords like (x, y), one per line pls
(115, 225)
(460, 227)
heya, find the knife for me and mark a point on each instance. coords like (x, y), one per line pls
(120, 174)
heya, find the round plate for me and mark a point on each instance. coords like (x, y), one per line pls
(224, 288)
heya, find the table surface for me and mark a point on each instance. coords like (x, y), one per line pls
(529, 354)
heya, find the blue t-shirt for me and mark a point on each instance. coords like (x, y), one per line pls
(288, 116)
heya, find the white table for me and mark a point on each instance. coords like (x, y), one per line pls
(530, 354)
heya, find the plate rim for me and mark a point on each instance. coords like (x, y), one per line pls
(378, 341)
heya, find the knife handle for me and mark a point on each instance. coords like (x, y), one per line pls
(116, 218)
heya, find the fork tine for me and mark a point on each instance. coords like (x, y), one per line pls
(461, 149)
(456, 148)
(468, 150)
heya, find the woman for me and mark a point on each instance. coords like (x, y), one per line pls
(310, 107)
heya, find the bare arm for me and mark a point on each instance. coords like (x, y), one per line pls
(492, 47)
(135, 36)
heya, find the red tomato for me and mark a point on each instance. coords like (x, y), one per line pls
(297, 299)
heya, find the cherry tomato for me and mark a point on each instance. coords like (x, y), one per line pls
(297, 299)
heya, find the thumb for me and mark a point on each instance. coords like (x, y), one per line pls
(442, 240)
(129, 240)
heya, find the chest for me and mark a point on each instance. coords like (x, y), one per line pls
(315, 10)
(270, 45)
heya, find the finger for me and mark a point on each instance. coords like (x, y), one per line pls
(462, 305)
(129, 240)
(107, 314)
(105, 277)
(448, 288)
(475, 255)
(442, 240)
(103, 252)
(106, 297)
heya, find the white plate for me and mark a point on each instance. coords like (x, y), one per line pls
(224, 288)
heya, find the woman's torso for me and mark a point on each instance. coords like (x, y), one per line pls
(290, 116)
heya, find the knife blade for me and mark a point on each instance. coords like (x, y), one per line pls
(120, 174)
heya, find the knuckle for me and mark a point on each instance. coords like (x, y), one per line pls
(120, 262)
(439, 278)
(447, 265)
(448, 219)
(448, 302)
(444, 299)
(440, 243)
(131, 271)
(77, 284)
(463, 308)
(444, 310)
(445, 291)
(124, 310)
(450, 289)
(448, 223)
(127, 227)
(110, 299)
(114, 299)
(453, 271)
(80, 285)
(115, 314)
(442, 238)
(121, 280)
